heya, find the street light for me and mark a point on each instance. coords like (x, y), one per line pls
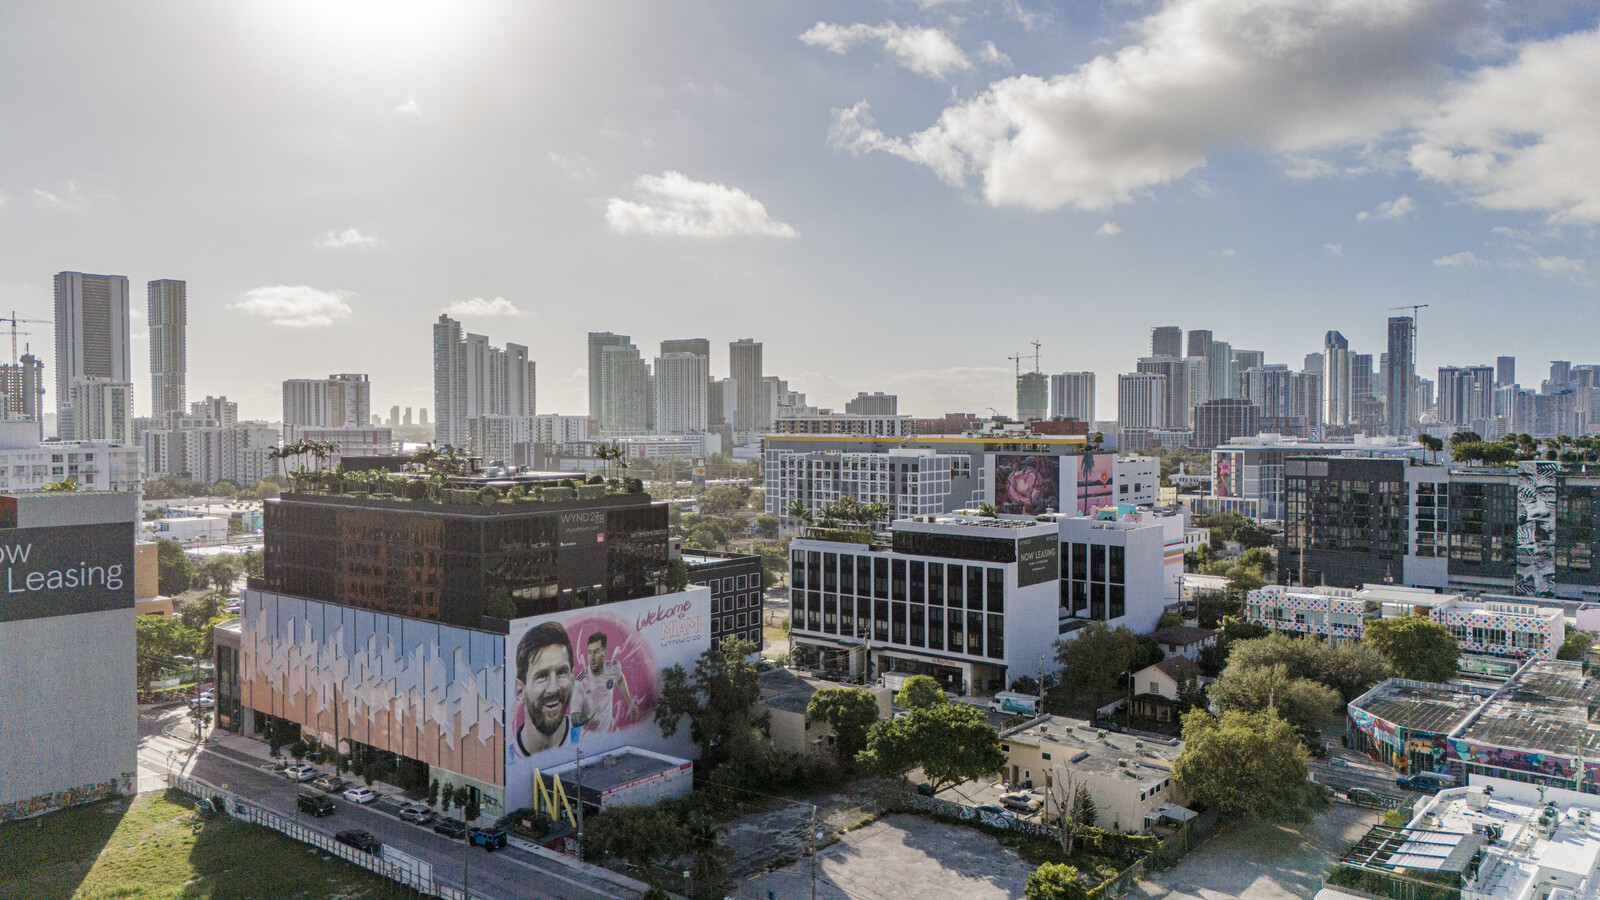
(685, 883)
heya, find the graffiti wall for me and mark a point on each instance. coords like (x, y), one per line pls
(88, 793)
(1536, 542)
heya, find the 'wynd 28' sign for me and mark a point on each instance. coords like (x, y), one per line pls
(65, 570)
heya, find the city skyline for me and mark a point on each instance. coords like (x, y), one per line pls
(345, 175)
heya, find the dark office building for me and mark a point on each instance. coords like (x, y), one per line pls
(1216, 422)
(447, 562)
(736, 592)
(1346, 521)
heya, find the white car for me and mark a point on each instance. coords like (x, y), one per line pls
(301, 772)
(360, 795)
(416, 812)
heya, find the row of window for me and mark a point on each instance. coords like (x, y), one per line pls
(890, 578)
(738, 601)
(968, 632)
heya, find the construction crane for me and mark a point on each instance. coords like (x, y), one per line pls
(1414, 307)
(1018, 360)
(14, 319)
(1035, 356)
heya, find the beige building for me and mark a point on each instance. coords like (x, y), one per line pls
(1130, 778)
(1156, 688)
(786, 694)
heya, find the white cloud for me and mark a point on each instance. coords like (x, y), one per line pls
(576, 167)
(926, 51)
(350, 237)
(671, 203)
(410, 108)
(296, 306)
(1293, 76)
(1560, 265)
(1464, 258)
(1108, 229)
(3, 198)
(1523, 136)
(991, 54)
(1230, 252)
(1398, 208)
(70, 196)
(478, 306)
(1333, 249)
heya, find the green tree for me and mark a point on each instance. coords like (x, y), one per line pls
(919, 692)
(952, 742)
(1576, 644)
(851, 711)
(1169, 619)
(677, 577)
(158, 640)
(1258, 558)
(724, 500)
(1417, 648)
(774, 562)
(645, 836)
(1301, 702)
(174, 570)
(1244, 764)
(218, 572)
(1077, 816)
(717, 698)
(1242, 580)
(500, 604)
(433, 792)
(1431, 444)
(767, 526)
(254, 564)
(65, 485)
(198, 614)
(1056, 881)
(1091, 663)
(1349, 668)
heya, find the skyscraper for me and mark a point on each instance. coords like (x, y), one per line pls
(682, 385)
(1220, 370)
(697, 346)
(1186, 379)
(744, 369)
(1141, 407)
(1336, 379)
(472, 379)
(1199, 343)
(168, 315)
(338, 401)
(1033, 397)
(1505, 370)
(876, 403)
(598, 342)
(1401, 393)
(1166, 340)
(624, 383)
(21, 389)
(91, 331)
(1072, 396)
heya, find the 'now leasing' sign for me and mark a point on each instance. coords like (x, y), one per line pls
(65, 570)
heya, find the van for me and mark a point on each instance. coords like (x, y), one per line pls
(1015, 704)
(312, 805)
(1426, 782)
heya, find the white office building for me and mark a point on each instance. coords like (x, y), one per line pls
(91, 323)
(351, 442)
(28, 465)
(1141, 408)
(860, 425)
(909, 481)
(338, 401)
(623, 380)
(236, 453)
(101, 410)
(682, 382)
(473, 378)
(1072, 396)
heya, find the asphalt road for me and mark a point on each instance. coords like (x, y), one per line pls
(509, 874)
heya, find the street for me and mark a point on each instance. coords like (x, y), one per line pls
(509, 873)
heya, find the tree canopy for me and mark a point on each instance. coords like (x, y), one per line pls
(851, 712)
(1091, 662)
(919, 692)
(1056, 881)
(159, 639)
(1301, 702)
(1417, 648)
(951, 742)
(1244, 764)
(1575, 644)
(1349, 668)
(174, 570)
(717, 698)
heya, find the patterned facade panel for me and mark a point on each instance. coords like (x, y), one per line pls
(425, 690)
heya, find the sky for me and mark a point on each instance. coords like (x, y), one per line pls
(892, 195)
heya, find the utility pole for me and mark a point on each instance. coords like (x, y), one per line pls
(811, 837)
(577, 775)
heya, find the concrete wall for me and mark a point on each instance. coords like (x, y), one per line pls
(146, 571)
(69, 716)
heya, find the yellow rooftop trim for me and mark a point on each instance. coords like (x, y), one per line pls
(936, 439)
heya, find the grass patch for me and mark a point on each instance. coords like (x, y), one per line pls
(150, 848)
(774, 633)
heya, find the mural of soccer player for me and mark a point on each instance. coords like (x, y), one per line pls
(544, 689)
(597, 687)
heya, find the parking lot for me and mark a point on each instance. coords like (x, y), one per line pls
(1260, 860)
(903, 856)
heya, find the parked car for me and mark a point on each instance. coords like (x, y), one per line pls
(1364, 797)
(990, 809)
(333, 784)
(301, 772)
(359, 839)
(1022, 802)
(416, 812)
(1426, 782)
(360, 795)
(490, 839)
(451, 828)
(313, 805)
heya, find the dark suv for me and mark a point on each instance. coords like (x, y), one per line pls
(490, 839)
(361, 840)
(312, 805)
